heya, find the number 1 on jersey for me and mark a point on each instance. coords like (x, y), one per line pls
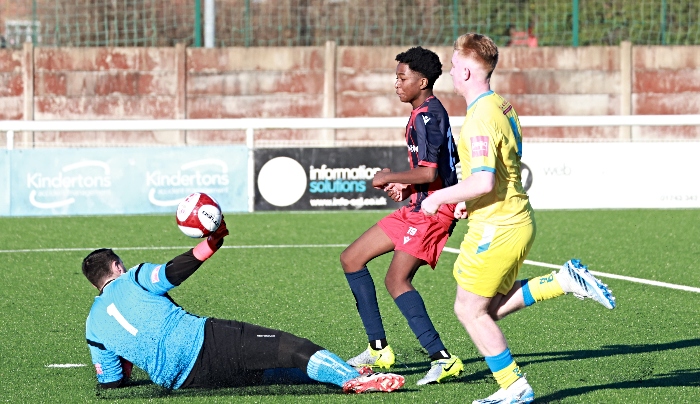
(112, 311)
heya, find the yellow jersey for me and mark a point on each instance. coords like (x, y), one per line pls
(490, 140)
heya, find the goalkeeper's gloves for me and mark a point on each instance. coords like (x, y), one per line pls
(206, 248)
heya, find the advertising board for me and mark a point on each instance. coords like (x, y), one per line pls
(4, 182)
(94, 181)
(614, 175)
(324, 178)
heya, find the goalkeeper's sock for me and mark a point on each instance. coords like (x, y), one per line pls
(504, 368)
(413, 308)
(540, 288)
(326, 367)
(362, 287)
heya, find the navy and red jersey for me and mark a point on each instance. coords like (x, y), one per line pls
(430, 144)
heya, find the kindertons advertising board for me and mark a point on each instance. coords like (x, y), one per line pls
(4, 183)
(324, 178)
(97, 181)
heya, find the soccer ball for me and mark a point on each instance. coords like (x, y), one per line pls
(198, 215)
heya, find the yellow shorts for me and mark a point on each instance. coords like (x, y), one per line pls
(491, 256)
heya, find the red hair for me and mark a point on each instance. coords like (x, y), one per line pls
(480, 48)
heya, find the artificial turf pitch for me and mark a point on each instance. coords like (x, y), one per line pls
(281, 270)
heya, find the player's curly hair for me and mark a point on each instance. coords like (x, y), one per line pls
(423, 61)
(97, 265)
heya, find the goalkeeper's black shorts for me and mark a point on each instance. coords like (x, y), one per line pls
(236, 354)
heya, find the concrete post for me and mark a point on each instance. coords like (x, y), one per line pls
(181, 95)
(209, 23)
(329, 90)
(27, 138)
(626, 86)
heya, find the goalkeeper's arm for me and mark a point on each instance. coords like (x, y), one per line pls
(184, 265)
(127, 367)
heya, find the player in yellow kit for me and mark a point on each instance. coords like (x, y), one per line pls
(501, 227)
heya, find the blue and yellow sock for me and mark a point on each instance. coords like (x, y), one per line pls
(504, 368)
(326, 367)
(540, 288)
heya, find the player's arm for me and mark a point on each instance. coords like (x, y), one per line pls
(184, 265)
(418, 175)
(429, 138)
(482, 179)
(181, 267)
(474, 186)
(112, 370)
(398, 192)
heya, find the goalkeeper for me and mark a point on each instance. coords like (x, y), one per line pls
(135, 321)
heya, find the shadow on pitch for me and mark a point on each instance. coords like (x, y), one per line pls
(483, 375)
(678, 378)
(145, 389)
(607, 351)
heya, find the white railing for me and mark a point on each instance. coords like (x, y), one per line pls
(252, 124)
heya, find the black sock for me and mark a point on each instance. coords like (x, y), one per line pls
(443, 354)
(378, 344)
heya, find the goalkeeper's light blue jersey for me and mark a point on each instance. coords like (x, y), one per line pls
(135, 319)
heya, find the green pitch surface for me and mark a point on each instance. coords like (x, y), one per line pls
(281, 270)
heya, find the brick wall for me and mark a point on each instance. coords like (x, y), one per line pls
(11, 85)
(562, 81)
(179, 82)
(666, 81)
(104, 83)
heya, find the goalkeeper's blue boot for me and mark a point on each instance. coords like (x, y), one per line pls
(575, 278)
(519, 392)
(382, 358)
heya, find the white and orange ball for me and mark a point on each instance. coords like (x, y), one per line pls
(198, 215)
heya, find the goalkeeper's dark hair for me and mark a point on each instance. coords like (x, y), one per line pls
(98, 265)
(423, 61)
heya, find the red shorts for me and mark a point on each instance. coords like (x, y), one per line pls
(420, 235)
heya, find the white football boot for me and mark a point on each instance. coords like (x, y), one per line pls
(382, 358)
(519, 392)
(575, 278)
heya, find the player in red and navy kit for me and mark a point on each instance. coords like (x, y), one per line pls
(134, 321)
(415, 238)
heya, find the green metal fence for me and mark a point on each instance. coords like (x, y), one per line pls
(349, 22)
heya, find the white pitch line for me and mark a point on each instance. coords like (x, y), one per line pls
(65, 365)
(447, 249)
(606, 275)
(287, 246)
(31, 250)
